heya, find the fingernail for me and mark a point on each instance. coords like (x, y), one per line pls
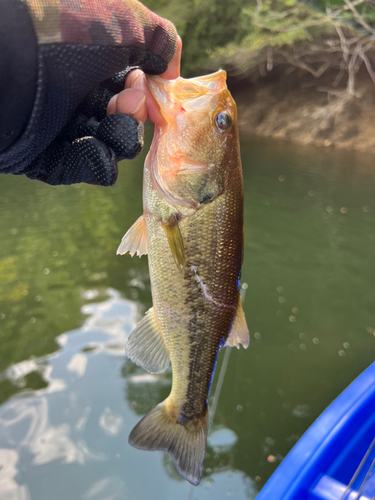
(111, 106)
(139, 106)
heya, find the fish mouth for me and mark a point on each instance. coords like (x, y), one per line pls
(172, 95)
(213, 82)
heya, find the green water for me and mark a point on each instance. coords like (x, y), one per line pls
(68, 395)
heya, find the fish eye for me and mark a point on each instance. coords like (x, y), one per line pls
(222, 120)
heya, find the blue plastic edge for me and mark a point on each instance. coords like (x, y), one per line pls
(297, 467)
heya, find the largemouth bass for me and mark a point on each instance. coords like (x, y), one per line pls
(192, 231)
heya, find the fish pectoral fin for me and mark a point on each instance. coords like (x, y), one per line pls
(145, 346)
(176, 243)
(186, 444)
(240, 332)
(135, 239)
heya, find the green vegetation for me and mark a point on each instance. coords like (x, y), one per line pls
(244, 36)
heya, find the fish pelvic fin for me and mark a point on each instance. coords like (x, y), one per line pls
(145, 345)
(135, 239)
(185, 442)
(239, 333)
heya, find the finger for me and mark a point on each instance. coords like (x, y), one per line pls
(87, 159)
(123, 134)
(129, 102)
(174, 65)
(137, 80)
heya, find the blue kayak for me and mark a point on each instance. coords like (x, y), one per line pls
(335, 458)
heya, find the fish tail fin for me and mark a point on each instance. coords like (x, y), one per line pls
(186, 443)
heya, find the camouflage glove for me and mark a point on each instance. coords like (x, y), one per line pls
(61, 61)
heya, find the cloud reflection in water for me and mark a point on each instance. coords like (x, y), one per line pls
(71, 437)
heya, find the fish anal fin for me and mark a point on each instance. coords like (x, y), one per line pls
(135, 239)
(174, 237)
(186, 443)
(240, 332)
(145, 346)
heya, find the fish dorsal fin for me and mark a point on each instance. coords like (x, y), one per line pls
(176, 243)
(145, 346)
(135, 240)
(240, 332)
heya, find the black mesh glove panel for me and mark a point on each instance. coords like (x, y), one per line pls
(82, 49)
(91, 143)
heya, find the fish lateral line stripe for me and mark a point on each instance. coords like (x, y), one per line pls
(203, 287)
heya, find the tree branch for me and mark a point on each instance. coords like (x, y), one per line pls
(359, 18)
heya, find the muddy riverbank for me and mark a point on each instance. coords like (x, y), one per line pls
(297, 107)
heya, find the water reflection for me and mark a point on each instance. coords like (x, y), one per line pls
(10, 489)
(110, 422)
(110, 487)
(77, 421)
(69, 397)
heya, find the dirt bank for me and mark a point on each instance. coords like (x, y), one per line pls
(302, 109)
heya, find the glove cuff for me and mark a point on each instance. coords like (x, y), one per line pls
(18, 70)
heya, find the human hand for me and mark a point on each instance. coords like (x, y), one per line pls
(80, 46)
(136, 99)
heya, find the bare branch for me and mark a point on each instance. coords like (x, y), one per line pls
(301, 64)
(259, 7)
(347, 48)
(359, 18)
(337, 12)
(269, 58)
(343, 43)
(370, 71)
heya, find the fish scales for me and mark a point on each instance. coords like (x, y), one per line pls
(193, 222)
(189, 309)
